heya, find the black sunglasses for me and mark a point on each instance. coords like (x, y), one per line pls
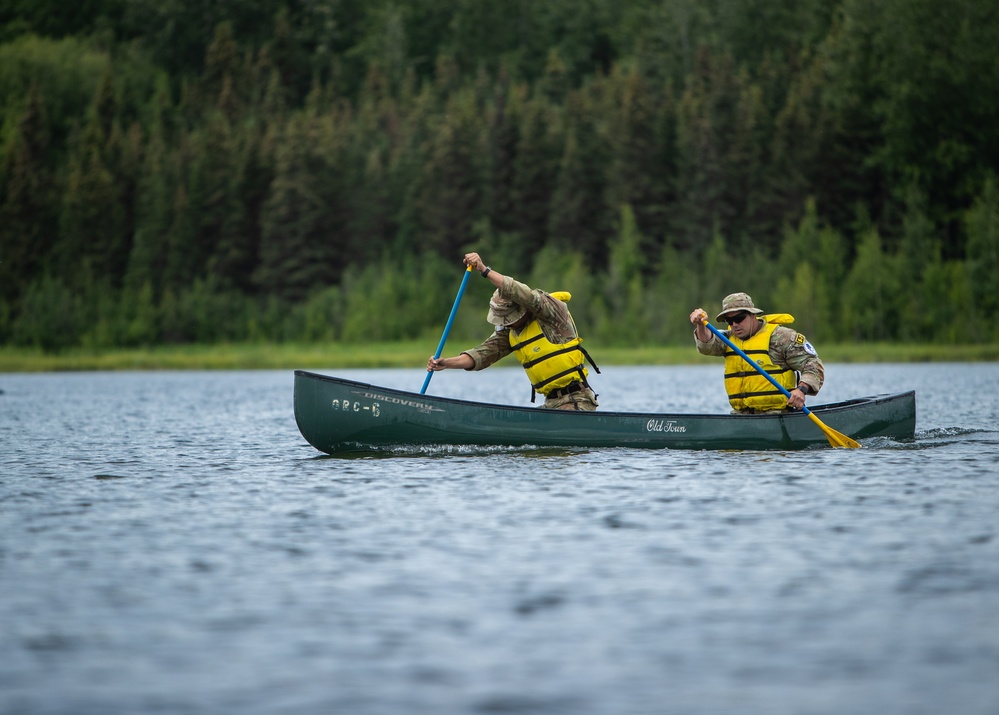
(737, 318)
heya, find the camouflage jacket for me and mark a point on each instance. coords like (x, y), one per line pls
(788, 348)
(551, 313)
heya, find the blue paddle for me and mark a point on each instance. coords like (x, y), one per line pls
(836, 439)
(447, 328)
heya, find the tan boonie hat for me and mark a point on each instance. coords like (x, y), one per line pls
(503, 311)
(737, 303)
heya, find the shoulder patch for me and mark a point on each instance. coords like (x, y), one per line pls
(799, 339)
(808, 348)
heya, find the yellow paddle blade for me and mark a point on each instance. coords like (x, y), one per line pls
(836, 439)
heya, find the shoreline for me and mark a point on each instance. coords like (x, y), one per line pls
(288, 356)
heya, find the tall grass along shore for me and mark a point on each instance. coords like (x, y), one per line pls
(281, 356)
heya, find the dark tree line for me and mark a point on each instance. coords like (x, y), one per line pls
(290, 170)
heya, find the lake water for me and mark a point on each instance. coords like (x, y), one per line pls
(169, 543)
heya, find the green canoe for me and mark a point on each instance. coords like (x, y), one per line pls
(337, 415)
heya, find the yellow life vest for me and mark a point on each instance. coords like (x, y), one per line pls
(747, 389)
(549, 366)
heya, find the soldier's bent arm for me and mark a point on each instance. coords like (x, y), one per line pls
(493, 348)
(712, 346)
(792, 349)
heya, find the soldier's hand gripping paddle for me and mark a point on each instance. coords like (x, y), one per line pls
(836, 439)
(447, 328)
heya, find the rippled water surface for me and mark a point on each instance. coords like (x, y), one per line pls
(170, 544)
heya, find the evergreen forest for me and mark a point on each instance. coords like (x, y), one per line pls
(205, 171)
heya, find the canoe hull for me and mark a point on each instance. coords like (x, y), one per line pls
(337, 415)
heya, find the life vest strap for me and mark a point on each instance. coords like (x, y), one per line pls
(761, 393)
(525, 343)
(568, 389)
(531, 363)
(589, 359)
(582, 377)
(747, 373)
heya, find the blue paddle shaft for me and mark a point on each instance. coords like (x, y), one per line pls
(745, 357)
(447, 327)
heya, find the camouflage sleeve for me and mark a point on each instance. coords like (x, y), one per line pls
(552, 314)
(493, 348)
(791, 349)
(714, 346)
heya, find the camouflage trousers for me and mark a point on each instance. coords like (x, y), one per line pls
(584, 401)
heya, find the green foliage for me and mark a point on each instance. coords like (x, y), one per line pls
(811, 270)
(451, 197)
(64, 73)
(939, 83)
(626, 320)
(919, 264)
(320, 316)
(141, 317)
(27, 201)
(535, 170)
(577, 216)
(556, 270)
(271, 170)
(672, 295)
(983, 254)
(641, 161)
(295, 254)
(49, 317)
(95, 241)
(396, 298)
(869, 290)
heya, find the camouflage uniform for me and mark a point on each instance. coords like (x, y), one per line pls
(788, 349)
(556, 324)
